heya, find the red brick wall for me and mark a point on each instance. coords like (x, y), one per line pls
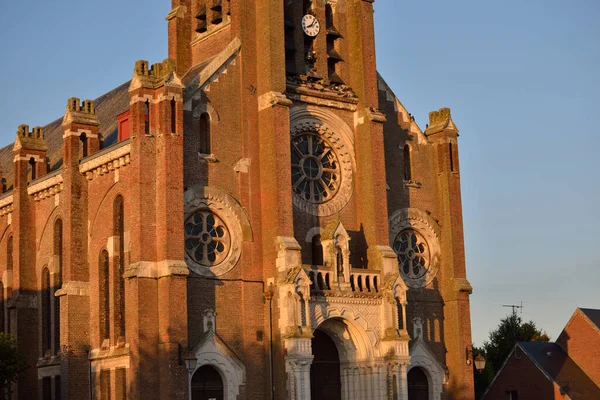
(522, 375)
(581, 341)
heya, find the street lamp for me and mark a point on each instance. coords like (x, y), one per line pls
(190, 363)
(479, 363)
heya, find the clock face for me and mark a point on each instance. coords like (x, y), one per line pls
(310, 25)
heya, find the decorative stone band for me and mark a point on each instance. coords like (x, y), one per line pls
(78, 133)
(155, 270)
(104, 162)
(28, 157)
(320, 100)
(74, 288)
(155, 100)
(112, 358)
(6, 204)
(46, 186)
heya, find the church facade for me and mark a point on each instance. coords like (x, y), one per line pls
(256, 217)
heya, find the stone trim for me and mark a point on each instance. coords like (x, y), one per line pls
(323, 101)
(74, 288)
(48, 368)
(419, 221)
(177, 12)
(115, 357)
(271, 99)
(6, 204)
(156, 269)
(46, 186)
(103, 162)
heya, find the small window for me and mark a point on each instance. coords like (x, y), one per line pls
(317, 250)
(204, 134)
(31, 168)
(147, 117)
(407, 163)
(83, 147)
(451, 157)
(173, 115)
(512, 395)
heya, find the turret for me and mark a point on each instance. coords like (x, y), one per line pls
(29, 154)
(454, 287)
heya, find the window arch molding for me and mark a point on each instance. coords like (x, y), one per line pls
(228, 210)
(204, 108)
(338, 139)
(418, 221)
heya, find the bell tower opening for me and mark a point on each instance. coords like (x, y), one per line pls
(325, 381)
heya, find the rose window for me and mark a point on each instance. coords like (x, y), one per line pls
(207, 240)
(413, 253)
(316, 174)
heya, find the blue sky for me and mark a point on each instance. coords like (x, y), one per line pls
(521, 78)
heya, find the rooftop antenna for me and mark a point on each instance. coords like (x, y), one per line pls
(514, 315)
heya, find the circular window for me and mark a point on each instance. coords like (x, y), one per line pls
(316, 172)
(207, 239)
(413, 253)
(321, 163)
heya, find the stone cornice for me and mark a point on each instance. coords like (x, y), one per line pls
(46, 186)
(103, 162)
(6, 203)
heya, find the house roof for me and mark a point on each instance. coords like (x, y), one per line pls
(558, 367)
(593, 315)
(108, 106)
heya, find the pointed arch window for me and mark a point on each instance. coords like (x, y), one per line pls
(204, 134)
(119, 268)
(46, 311)
(58, 259)
(9, 253)
(407, 163)
(31, 168)
(83, 146)
(104, 296)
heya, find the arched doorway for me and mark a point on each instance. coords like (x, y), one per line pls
(418, 385)
(325, 381)
(207, 384)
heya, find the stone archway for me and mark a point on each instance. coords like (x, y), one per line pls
(325, 376)
(207, 384)
(418, 384)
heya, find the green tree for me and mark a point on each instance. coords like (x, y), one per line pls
(12, 362)
(501, 341)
